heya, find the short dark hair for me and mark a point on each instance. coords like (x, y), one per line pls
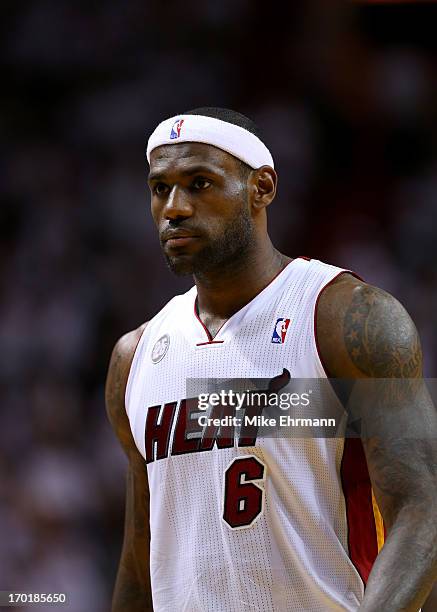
(226, 114)
(231, 116)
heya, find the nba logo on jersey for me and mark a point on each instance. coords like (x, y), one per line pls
(176, 129)
(280, 331)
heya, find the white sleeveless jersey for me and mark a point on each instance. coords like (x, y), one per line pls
(282, 524)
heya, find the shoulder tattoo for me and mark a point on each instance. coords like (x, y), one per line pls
(380, 337)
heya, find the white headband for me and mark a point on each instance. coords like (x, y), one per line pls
(226, 136)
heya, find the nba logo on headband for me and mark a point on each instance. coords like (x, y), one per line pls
(231, 138)
(176, 129)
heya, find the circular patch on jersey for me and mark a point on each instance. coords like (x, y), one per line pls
(160, 348)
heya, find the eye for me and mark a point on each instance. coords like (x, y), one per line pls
(160, 189)
(201, 183)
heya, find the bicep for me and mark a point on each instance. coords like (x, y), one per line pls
(136, 531)
(132, 588)
(368, 336)
(402, 470)
(398, 417)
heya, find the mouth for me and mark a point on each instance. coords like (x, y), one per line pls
(179, 241)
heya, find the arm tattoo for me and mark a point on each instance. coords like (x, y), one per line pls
(399, 432)
(379, 336)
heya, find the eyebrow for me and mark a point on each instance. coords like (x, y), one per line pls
(157, 176)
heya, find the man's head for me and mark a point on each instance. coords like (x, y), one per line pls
(208, 200)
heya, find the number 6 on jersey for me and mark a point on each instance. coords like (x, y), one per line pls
(243, 500)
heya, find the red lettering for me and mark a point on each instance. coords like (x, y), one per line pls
(158, 433)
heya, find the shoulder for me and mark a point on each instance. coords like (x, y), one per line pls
(363, 331)
(125, 346)
(118, 372)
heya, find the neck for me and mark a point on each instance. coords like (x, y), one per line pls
(224, 291)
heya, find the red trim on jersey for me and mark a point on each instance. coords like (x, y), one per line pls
(196, 314)
(315, 315)
(210, 338)
(357, 490)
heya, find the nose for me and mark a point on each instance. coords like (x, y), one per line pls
(177, 205)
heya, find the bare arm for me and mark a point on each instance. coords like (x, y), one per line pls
(431, 602)
(132, 588)
(365, 334)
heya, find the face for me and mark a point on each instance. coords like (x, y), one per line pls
(199, 201)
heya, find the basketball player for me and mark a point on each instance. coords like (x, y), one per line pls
(228, 524)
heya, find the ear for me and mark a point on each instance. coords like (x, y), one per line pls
(264, 181)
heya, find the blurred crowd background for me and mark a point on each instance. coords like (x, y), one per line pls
(345, 95)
